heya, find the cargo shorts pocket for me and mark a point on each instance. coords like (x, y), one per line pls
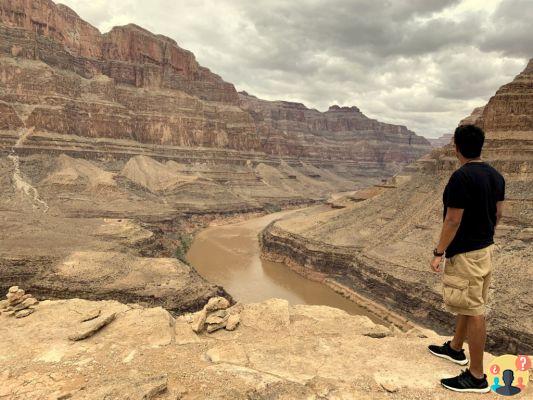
(455, 291)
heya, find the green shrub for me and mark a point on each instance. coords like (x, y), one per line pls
(185, 241)
(272, 208)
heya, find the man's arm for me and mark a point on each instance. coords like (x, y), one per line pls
(499, 211)
(449, 229)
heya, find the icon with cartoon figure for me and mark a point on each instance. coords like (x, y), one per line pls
(508, 375)
(508, 389)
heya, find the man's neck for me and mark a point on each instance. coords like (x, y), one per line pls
(464, 161)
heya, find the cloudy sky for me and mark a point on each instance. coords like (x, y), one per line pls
(421, 63)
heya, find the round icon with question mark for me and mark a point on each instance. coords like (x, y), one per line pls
(523, 363)
(509, 374)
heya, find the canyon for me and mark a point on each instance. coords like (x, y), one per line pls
(117, 148)
(377, 241)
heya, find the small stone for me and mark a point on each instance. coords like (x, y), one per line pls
(217, 317)
(389, 387)
(24, 313)
(19, 300)
(13, 289)
(4, 304)
(216, 303)
(198, 321)
(154, 387)
(91, 315)
(215, 327)
(232, 322)
(25, 304)
(89, 329)
(14, 297)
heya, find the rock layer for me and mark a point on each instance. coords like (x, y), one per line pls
(341, 133)
(67, 78)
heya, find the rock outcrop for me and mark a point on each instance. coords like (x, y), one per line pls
(473, 117)
(94, 258)
(379, 242)
(277, 352)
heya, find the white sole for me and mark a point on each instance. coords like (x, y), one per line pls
(464, 362)
(486, 390)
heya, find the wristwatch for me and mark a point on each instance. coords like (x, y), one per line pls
(436, 253)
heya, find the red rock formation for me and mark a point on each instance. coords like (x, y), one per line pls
(8, 118)
(132, 84)
(511, 108)
(129, 54)
(508, 123)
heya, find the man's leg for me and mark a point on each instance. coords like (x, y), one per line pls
(461, 323)
(476, 343)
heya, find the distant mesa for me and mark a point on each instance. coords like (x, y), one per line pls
(339, 108)
(441, 141)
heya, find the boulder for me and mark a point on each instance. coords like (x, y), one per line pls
(199, 321)
(216, 303)
(24, 313)
(232, 322)
(217, 317)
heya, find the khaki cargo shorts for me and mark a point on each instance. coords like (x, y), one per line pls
(466, 281)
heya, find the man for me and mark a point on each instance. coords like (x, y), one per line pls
(473, 202)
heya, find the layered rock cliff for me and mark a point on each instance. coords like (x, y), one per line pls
(341, 133)
(379, 245)
(132, 84)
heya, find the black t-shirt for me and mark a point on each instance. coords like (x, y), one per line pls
(476, 187)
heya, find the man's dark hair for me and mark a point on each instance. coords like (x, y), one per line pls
(469, 140)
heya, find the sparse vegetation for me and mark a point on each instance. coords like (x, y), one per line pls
(185, 241)
(272, 208)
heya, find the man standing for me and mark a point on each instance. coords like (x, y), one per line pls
(473, 201)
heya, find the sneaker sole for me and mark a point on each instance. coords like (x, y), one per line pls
(463, 362)
(485, 390)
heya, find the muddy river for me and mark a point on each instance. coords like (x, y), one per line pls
(229, 256)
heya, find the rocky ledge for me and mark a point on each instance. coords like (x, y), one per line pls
(79, 349)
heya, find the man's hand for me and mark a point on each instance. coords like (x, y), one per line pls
(435, 263)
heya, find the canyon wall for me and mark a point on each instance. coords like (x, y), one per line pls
(344, 133)
(65, 77)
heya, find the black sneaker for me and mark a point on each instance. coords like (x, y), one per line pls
(466, 382)
(446, 351)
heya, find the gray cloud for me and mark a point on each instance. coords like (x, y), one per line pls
(421, 63)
